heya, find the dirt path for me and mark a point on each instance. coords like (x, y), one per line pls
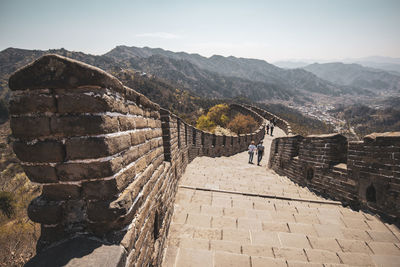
(231, 213)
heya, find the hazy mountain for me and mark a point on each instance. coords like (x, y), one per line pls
(291, 64)
(201, 77)
(215, 77)
(393, 68)
(385, 63)
(375, 59)
(253, 70)
(356, 75)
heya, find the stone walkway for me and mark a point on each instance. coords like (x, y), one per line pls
(231, 213)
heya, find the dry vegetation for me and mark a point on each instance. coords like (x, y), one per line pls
(18, 234)
(221, 117)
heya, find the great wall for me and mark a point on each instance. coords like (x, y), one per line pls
(110, 160)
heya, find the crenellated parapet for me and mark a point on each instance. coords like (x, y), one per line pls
(108, 160)
(281, 123)
(363, 174)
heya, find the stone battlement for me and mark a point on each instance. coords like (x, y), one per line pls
(363, 174)
(109, 161)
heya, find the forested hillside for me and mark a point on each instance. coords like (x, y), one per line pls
(366, 120)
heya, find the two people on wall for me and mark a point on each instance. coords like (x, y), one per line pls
(270, 126)
(258, 150)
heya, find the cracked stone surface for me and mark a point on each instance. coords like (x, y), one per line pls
(214, 224)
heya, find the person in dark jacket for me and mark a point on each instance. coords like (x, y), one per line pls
(260, 152)
(271, 126)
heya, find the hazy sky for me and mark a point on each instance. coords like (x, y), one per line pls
(270, 30)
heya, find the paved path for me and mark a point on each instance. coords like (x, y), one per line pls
(231, 213)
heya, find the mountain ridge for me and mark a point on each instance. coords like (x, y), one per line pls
(356, 75)
(213, 77)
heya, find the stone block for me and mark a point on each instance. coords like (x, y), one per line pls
(127, 123)
(30, 127)
(384, 248)
(141, 164)
(90, 102)
(40, 151)
(194, 258)
(83, 125)
(61, 191)
(296, 254)
(194, 243)
(129, 156)
(386, 236)
(386, 260)
(46, 212)
(96, 147)
(232, 259)
(329, 244)
(257, 250)
(81, 171)
(100, 189)
(322, 256)
(41, 173)
(103, 211)
(294, 240)
(135, 110)
(356, 259)
(138, 137)
(32, 103)
(141, 122)
(126, 176)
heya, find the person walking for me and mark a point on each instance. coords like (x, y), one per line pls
(252, 149)
(272, 127)
(260, 152)
(267, 128)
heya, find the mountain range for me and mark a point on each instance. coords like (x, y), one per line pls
(378, 62)
(356, 75)
(179, 76)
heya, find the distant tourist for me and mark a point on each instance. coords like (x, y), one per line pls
(260, 152)
(271, 126)
(267, 128)
(252, 149)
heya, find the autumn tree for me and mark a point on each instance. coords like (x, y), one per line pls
(204, 123)
(219, 114)
(242, 124)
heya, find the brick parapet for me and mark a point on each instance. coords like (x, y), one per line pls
(281, 123)
(364, 174)
(108, 158)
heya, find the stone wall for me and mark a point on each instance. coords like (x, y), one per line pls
(281, 123)
(362, 174)
(108, 159)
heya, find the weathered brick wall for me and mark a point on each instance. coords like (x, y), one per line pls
(361, 174)
(281, 123)
(108, 158)
(374, 164)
